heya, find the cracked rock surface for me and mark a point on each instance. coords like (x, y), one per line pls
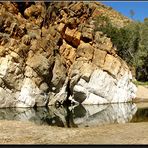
(49, 51)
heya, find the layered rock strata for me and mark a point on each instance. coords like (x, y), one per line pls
(50, 51)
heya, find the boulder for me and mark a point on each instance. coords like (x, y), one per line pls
(39, 66)
(85, 50)
(99, 57)
(72, 36)
(87, 33)
(7, 98)
(103, 88)
(112, 65)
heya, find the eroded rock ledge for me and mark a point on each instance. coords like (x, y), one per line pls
(49, 52)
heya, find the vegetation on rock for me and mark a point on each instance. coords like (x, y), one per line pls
(50, 52)
(130, 41)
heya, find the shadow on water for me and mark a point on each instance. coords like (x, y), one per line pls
(78, 116)
(141, 115)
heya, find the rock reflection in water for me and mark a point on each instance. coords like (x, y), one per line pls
(24, 114)
(73, 116)
(106, 114)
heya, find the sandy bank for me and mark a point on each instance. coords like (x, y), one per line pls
(142, 94)
(18, 132)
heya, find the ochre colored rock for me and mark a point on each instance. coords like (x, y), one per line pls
(85, 50)
(76, 39)
(51, 52)
(72, 36)
(112, 65)
(61, 27)
(99, 57)
(68, 52)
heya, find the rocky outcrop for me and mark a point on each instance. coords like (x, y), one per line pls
(50, 51)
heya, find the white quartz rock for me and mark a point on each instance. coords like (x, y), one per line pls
(102, 88)
(31, 94)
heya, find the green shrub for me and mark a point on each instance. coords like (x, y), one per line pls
(131, 42)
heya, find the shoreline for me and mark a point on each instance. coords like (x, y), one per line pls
(128, 133)
(141, 91)
(26, 132)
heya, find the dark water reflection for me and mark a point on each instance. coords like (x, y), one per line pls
(78, 116)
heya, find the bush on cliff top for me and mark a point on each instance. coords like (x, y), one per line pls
(131, 42)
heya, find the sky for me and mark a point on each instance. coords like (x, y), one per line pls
(140, 8)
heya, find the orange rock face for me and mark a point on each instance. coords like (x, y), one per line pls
(49, 49)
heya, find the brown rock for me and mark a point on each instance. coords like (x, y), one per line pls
(98, 35)
(32, 10)
(29, 72)
(107, 45)
(15, 57)
(21, 50)
(26, 39)
(85, 50)
(61, 27)
(11, 7)
(76, 7)
(51, 47)
(68, 52)
(72, 22)
(44, 87)
(64, 17)
(86, 71)
(103, 42)
(112, 65)
(99, 57)
(40, 64)
(87, 34)
(2, 51)
(38, 80)
(59, 74)
(69, 33)
(76, 38)
(72, 36)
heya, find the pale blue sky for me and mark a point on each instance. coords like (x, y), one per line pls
(140, 8)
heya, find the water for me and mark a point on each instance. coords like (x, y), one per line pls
(79, 116)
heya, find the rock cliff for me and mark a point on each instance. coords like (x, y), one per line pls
(50, 52)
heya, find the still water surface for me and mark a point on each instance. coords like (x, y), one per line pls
(79, 116)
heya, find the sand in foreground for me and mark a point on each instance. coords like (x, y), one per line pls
(19, 132)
